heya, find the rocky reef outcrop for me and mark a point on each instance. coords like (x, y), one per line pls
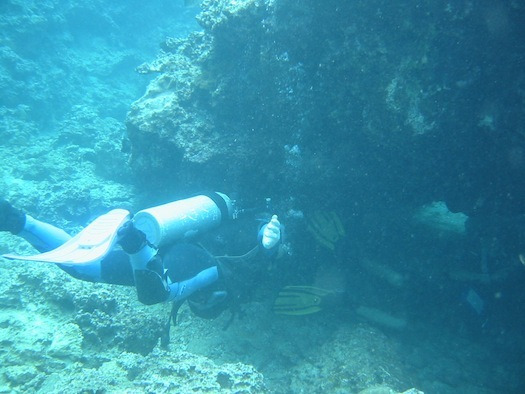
(354, 95)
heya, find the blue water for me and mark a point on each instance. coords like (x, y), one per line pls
(58, 54)
(406, 119)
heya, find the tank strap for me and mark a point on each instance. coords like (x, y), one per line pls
(221, 204)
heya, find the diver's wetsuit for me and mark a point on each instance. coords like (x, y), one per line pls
(183, 262)
(174, 274)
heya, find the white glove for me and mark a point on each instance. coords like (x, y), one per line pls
(271, 233)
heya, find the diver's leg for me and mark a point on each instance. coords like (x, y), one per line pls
(43, 236)
(114, 268)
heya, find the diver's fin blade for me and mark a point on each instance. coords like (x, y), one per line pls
(90, 245)
(299, 300)
(297, 311)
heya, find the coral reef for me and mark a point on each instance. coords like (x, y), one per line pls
(67, 184)
(158, 372)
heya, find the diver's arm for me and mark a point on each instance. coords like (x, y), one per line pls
(152, 282)
(148, 272)
(151, 279)
(182, 290)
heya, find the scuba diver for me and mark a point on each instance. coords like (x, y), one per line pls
(148, 250)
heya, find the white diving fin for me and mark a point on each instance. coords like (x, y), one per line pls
(90, 245)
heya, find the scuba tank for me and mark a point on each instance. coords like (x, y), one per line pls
(183, 218)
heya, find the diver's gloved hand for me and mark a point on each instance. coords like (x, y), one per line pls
(271, 233)
(131, 239)
(11, 219)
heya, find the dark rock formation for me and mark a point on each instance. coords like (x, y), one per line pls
(384, 102)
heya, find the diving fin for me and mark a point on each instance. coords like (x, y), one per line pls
(326, 228)
(300, 300)
(90, 245)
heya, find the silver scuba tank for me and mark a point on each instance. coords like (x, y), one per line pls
(182, 219)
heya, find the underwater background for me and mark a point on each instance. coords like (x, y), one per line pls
(389, 137)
